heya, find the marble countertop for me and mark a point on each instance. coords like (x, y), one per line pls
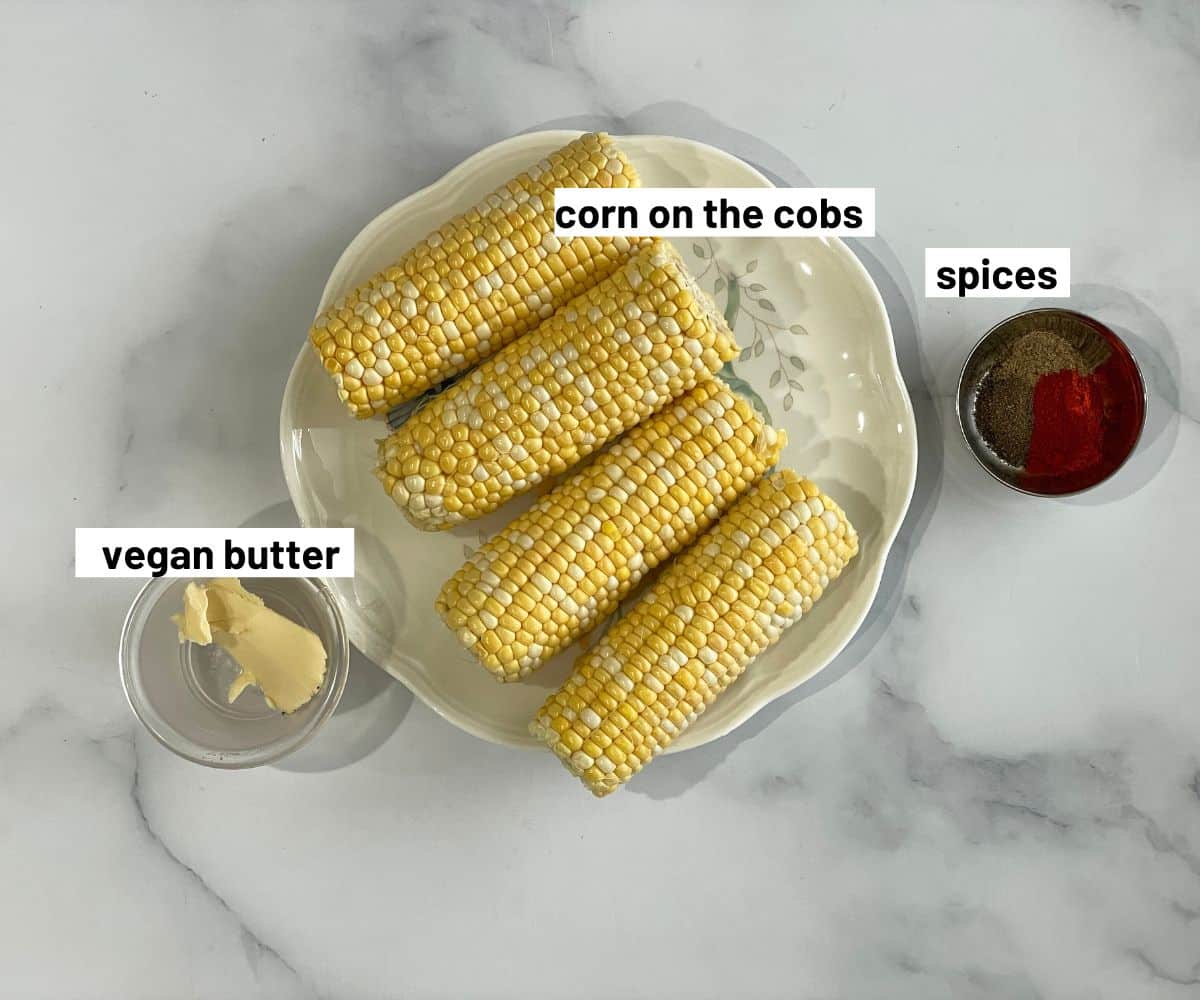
(994, 792)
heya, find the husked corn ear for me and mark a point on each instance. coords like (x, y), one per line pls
(603, 363)
(565, 564)
(721, 603)
(469, 288)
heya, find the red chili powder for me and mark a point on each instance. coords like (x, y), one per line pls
(1124, 406)
(1067, 424)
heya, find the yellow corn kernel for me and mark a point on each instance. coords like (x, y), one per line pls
(698, 651)
(564, 406)
(580, 573)
(475, 266)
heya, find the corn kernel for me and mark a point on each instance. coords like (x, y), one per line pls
(564, 565)
(698, 649)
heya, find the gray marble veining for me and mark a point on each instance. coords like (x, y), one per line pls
(995, 790)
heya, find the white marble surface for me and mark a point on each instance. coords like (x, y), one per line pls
(998, 796)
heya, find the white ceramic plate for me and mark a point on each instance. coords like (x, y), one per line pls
(818, 356)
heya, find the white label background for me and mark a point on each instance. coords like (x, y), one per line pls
(90, 542)
(768, 199)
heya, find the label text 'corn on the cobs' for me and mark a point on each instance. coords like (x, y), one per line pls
(765, 211)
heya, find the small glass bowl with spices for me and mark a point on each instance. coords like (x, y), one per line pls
(1051, 402)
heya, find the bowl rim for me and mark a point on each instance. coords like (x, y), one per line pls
(1119, 343)
(338, 668)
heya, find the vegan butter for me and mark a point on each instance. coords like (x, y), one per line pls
(284, 660)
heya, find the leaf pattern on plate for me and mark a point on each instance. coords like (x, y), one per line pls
(469, 550)
(746, 306)
(743, 389)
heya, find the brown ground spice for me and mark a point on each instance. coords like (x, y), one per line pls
(1004, 403)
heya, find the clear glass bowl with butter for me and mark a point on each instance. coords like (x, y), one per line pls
(180, 690)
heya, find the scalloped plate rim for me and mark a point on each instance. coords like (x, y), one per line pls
(444, 188)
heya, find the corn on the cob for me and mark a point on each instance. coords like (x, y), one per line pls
(616, 354)
(716, 607)
(565, 564)
(472, 286)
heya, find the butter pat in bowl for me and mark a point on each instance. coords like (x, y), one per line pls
(231, 676)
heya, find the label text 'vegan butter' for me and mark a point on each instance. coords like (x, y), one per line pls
(175, 552)
(200, 558)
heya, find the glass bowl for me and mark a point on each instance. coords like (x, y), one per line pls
(1127, 397)
(178, 689)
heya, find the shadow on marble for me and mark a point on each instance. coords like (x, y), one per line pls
(689, 122)
(372, 706)
(278, 515)
(676, 773)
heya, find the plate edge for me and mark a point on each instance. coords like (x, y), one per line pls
(448, 181)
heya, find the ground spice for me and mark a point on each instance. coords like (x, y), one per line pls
(1124, 407)
(1004, 403)
(1004, 415)
(1038, 353)
(1067, 424)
